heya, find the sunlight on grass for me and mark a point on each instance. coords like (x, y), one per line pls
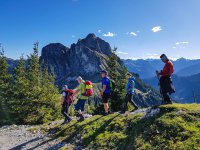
(177, 126)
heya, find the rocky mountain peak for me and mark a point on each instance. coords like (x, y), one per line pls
(54, 49)
(94, 43)
(86, 58)
(91, 36)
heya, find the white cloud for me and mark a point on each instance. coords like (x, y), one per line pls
(133, 58)
(156, 29)
(124, 53)
(179, 43)
(152, 56)
(174, 47)
(185, 42)
(109, 34)
(131, 33)
(99, 31)
(174, 58)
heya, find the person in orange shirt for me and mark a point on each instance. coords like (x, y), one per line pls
(166, 85)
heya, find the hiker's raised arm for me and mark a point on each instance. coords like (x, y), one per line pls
(77, 91)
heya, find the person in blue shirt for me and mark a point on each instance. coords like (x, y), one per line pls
(105, 92)
(130, 86)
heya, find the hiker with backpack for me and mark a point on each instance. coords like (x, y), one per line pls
(85, 91)
(106, 91)
(66, 100)
(165, 81)
(130, 87)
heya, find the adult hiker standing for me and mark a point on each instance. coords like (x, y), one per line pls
(130, 92)
(66, 101)
(166, 85)
(80, 105)
(105, 92)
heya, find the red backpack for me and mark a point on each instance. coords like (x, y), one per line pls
(89, 88)
(69, 97)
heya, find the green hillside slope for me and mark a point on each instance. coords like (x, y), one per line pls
(167, 127)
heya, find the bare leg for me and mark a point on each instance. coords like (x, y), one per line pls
(131, 100)
(106, 107)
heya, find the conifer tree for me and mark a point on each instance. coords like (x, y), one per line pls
(49, 100)
(30, 96)
(32, 75)
(113, 65)
(121, 84)
(42, 93)
(118, 78)
(20, 89)
(5, 78)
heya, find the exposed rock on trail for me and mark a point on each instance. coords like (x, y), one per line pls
(24, 137)
(20, 138)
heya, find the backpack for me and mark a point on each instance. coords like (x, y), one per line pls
(88, 89)
(112, 85)
(131, 84)
(69, 99)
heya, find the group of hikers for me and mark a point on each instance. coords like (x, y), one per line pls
(84, 91)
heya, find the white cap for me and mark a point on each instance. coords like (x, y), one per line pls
(79, 78)
(65, 87)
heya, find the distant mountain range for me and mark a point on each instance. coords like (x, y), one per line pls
(186, 78)
(146, 68)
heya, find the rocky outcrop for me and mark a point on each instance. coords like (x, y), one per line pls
(85, 58)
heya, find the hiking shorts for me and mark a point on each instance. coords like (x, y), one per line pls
(105, 97)
(80, 105)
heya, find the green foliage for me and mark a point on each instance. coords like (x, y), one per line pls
(175, 127)
(118, 77)
(4, 88)
(32, 97)
(19, 93)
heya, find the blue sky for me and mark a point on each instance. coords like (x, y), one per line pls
(139, 28)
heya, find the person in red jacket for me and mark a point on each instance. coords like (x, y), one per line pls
(166, 85)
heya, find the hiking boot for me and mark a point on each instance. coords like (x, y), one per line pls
(105, 113)
(77, 115)
(65, 122)
(122, 112)
(81, 118)
(110, 112)
(69, 120)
